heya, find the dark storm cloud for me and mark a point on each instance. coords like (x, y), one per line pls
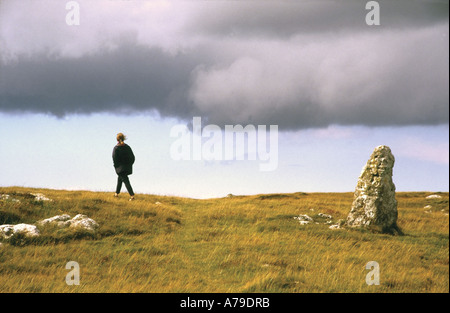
(297, 65)
(281, 19)
(131, 78)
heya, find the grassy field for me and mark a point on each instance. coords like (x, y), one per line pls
(233, 244)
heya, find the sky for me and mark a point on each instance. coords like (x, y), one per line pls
(334, 86)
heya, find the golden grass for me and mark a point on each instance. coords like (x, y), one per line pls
(237, 244)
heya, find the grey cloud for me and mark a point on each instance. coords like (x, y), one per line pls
(391, 78)
(131, 78)
(297, 65)
(281, 19)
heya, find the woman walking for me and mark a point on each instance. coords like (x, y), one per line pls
(123, 159)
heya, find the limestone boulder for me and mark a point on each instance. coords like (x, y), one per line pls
(40, 197)
(8, 231)
(80, 221)
(304, 219)
(374, 203)
(59, 220)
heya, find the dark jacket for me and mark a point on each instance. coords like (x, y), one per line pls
(123, 159)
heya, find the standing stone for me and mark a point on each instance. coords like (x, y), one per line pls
(374, 204)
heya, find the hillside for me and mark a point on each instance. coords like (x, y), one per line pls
(232, 244)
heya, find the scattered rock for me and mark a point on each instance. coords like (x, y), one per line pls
(35, 196)
(427, 207)
(83, 222)
(158, 203)
(325, 215)
(374, 202)
(6, 231)
(26, 229)
(304, 219)
(40, 197)
(60, 220)
(79, 221)
(8, 198)
(434, 197)
(9, 231)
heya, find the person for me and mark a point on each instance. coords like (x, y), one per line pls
(123, 159)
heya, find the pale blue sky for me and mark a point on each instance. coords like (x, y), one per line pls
(75, 153)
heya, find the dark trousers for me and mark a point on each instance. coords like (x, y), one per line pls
(124, 179)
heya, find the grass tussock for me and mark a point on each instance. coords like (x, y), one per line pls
(231, 244)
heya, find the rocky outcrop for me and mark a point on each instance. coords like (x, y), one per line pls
(433, 197)
(374, 204)
(8, 198)
(59, 220)
(80, 221)
(325, 215)
(304, 219)
(9, 231)
(28, 196)
(40, 197)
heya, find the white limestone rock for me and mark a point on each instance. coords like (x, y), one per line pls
(40, 197)
(8, 231)
(433, 197)
(80, 221)
(8, 198)
(304, 219)
(83, 222)
(325, 215)
(59, 220)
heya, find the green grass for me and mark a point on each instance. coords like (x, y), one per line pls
(236, 244)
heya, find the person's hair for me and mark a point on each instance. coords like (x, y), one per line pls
(121, 137)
